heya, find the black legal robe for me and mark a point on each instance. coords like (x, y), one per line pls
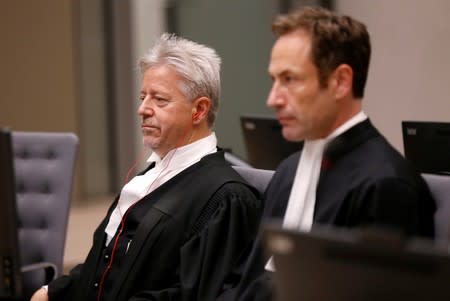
(363, 182)
(184, 246)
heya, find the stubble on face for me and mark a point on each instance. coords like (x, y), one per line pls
(302, 106)
(165, 110)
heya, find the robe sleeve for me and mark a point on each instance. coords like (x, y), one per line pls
(392, 203)
(58, 288)
(249, 280)
(222, 233)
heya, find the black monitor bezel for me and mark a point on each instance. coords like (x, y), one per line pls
(11, 280)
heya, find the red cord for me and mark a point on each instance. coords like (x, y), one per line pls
(139, 158)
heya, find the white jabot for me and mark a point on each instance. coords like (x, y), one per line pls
(300, 207)
(302, 200)
(166, 168)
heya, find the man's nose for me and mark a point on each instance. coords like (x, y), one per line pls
(275, 98)
(145, 108)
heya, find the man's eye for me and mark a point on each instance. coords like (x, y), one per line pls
(160, 101)
(287, 78)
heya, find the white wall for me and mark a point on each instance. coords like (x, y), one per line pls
(410, 66)
(240, 33)
(94, 156)
(148, 23)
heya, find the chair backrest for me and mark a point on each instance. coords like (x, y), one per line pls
(258, 178)
(44, 168)
(440, 188)
(235, 160)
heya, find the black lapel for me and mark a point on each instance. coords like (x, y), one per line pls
(150, 166)
(349, 140)
(91, 262)
(149, 222)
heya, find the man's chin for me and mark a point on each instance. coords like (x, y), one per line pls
(291, 136)
(150, 144)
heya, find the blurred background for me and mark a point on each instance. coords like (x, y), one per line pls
(71, 65)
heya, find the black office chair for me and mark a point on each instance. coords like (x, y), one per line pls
(235, 160)
(44, 167)
(440, 188)
(258, 178)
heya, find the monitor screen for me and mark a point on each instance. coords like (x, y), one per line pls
(427, 145)
(10, 284)
(358, 265)
(264, 142)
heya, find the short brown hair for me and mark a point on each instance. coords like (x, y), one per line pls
(335, 40)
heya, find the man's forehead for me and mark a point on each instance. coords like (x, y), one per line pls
(161, 70)
(289, 52)
(161, 75)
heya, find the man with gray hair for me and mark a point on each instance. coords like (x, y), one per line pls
(177, 228)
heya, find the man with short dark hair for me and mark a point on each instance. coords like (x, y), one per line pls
(347, 174)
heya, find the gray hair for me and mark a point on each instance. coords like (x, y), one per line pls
(197, 64)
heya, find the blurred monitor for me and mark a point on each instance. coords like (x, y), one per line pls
(342, 265)
(427, 145)
(264, 143)
(10, 278)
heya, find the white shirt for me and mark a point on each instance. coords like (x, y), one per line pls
(173, 163)
(302, 200)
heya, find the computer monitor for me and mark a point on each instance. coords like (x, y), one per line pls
(264, 142)
(427, 145)
(356, 265)
(10, 278)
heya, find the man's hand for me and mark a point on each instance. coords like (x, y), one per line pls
(40, 295)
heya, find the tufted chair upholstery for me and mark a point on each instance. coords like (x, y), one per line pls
(44, 168)
(440, 188)
(258, 178)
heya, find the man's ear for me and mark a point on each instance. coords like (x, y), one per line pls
(341, 81)
(200, 109)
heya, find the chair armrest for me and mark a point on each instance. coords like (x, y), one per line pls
(50, 269)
